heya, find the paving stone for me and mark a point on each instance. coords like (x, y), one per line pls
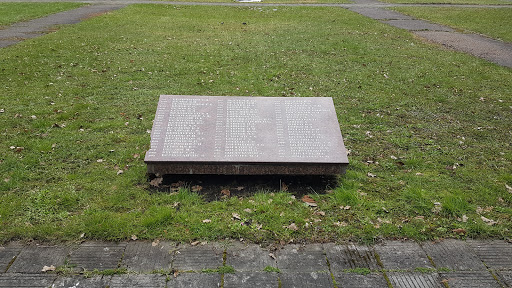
(417, 25)
(350, 256)
(297, 258)
(197, 258)
(187, 280)
(250, 257)
(402, 255)
(81, 282)
(32, 259)
(138, 280)
(453, 254)
(142, 256)
(353, 280)
(414, 280)
(473, 279)
(97, 255)
(496, 254)
(505, 278)
(305, 280)
(26, 280)
(250, 280)
(7, 254)
(380, 13)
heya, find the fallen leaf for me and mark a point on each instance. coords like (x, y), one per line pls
(156, 182)
(197, 188)
(464, 218)
(2, 110)
(175, 274)
(371, 175)
(19, 149)
(82, 235)
(33, 117)
(99, 160)
(393, 157)
(419, 174)
(284, 187)
(281, 214)
(488, 221)
(509, 189)
(195, 243)
(419, 217)
(321, 213)
(345, 207)
(176, 204)
(248, 210)
(155, 243)
(340, 224)
(48, 268)
(292, 227)
(308, 200)
(225, 192)
(207, 221)
(385, 210)
(134, 237)
(236, 216)
(136, 155)
(272, 256)
(120, 172)
(459, 231)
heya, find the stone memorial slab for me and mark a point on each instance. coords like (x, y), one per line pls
(250, 280)
(197, 258)
(414, 280)
(246, 136)
(473, 279)
(353, 280)
(143, 256)
(406, 255)
(248, 257)
(97, 255)
(350, 256)
(306, 280)
(32, 259)
(297, 258)
(453, 254)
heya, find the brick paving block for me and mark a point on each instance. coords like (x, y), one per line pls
(138, 280)
(306, 280)
(250, 280)
(81, 282)
(297, 258)
(353, 280)
(414, 280)
(350, 256)
(496, 254)
(32, 259)
(453, 254)
(473, 279)
(97, 255)
(187, 280)
(406, 255)
(249, 257)
(197, 258)
(12, 280)
(505, 278)
(142, 256)
(7, 255)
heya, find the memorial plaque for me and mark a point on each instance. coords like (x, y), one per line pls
(246, 136)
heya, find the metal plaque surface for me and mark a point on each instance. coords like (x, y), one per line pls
(245, 135)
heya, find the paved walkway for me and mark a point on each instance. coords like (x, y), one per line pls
(448, 263)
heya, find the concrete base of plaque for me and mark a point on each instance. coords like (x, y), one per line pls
(246, 136)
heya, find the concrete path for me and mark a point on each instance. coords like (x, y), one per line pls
(448, 263)
(37, 27)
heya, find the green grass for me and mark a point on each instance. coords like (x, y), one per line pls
(493, 22)
(16, 12)
(433, 125)
(455, 2)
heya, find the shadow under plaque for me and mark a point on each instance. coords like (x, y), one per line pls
(231, 135)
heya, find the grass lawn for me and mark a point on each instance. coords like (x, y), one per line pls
(428, 129)
(477, 2)
(493, 22)
(16, 12)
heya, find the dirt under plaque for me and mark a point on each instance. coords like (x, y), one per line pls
(233, 135)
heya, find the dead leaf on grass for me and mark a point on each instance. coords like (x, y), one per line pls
(197, 188)
(236, 216)
(155, 243)
(459, 231)
(488, 221)
(292, 227)
(371, 175)
(225, 192)
(156, 182)
(284, 187)
(340, 224)
(321, 213)
(195, 243)
(120, 172)
(247, 210)
(134, 237)
(207, 221)
(309, 201)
